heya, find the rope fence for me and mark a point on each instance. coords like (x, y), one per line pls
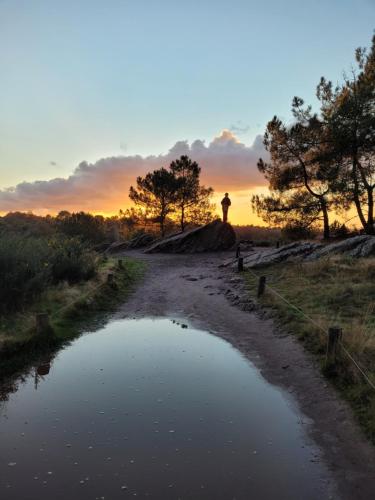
(333, 340)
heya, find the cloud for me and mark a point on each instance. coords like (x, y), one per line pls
(227, 165)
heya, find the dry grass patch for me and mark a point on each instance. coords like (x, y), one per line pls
(332, 291)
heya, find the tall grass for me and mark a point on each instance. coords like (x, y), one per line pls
(334, 291)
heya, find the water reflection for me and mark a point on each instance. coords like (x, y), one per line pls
(149, 409)
(40, 372)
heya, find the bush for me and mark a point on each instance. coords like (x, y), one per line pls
(90, 228)
(24, 270)
(71, 261)
(29, 265)
(338, 230)
(295, 232)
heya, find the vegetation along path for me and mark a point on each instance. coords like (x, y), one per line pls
(195, 289)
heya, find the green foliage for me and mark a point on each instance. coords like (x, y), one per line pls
(24, 270)
(29, 265)
(26, 224)
(90, 228)
(70, 260)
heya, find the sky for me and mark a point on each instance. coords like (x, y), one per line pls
(94, 93)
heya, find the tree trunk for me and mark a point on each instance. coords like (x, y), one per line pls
(370, 216)
(326, 233)
(182, 219)
(162, 229)
(357, 201)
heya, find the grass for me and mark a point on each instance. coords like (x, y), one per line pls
(334, 291)
(72, 309)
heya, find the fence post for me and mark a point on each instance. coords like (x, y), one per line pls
(238, 251)
(261, 286)
(334, 336)
(42, 324)
(277, 244)
(240, 264)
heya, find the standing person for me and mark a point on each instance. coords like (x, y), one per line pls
(225, 203)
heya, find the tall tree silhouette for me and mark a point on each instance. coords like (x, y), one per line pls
(156, 192)
(192, 198)
(296, 174)
(349, 112)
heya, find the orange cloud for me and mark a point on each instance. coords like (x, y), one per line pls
(227, 165)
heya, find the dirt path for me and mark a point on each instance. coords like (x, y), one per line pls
(194, 288)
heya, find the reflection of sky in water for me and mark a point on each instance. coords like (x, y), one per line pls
(147, 407)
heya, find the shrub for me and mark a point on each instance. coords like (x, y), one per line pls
(29, 265)
(70, 260)
(24, 270)
(90, 228)
(295, 232)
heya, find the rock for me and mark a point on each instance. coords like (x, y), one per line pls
(368, 248)
(117, 246)
(101, 247)
(358, 246)
(142, 240)
(212, 237)
(293, 251)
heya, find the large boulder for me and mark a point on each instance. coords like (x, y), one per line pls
(212, 237)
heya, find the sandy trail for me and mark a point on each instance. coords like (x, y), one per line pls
(194, 288)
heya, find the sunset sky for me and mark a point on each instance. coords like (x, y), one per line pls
(94, 93)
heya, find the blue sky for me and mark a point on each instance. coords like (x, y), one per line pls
(82, 80)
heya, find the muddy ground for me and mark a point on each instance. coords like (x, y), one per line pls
(194, 288)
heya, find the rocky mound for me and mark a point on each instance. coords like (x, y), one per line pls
(358, 246)
(140, 241)
(293, 251)
(212, 237)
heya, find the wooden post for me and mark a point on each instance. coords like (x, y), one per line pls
(42, 324)
(334, 336)
(261, 286)
(277, 244)
(238, 251)
(120, 264)
(240, 264)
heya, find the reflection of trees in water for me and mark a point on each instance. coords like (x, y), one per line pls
(12, 384)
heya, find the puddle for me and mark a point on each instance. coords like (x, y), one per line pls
(147, 408)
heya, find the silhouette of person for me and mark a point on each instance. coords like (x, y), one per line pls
(225, 204)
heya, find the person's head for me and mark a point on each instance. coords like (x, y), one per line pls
(226, 195)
